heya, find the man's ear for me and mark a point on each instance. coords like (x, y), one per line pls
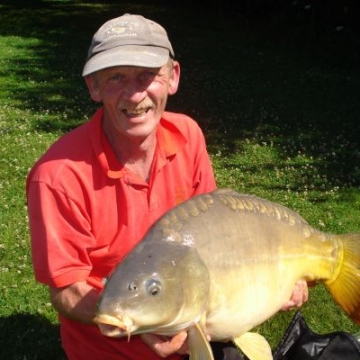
(174, 78)
(93, 88)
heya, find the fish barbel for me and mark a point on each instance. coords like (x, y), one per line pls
(222, 263)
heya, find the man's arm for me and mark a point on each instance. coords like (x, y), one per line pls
(76, 301)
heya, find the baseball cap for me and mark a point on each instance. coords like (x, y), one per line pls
(130, 40)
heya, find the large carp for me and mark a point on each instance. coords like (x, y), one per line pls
(226, 262)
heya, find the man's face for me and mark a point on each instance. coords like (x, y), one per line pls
(134, 98)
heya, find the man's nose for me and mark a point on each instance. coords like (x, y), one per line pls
(134, 92)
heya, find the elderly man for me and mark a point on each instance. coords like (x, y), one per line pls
(98, 189)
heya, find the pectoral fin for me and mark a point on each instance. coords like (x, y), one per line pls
(254, 346)
(199, 347)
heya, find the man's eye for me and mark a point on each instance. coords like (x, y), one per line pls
(116, 77)
(149, 75)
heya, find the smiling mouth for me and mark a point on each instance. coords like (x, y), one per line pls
(136, 112)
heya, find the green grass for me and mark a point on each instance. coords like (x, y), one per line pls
(279, 104)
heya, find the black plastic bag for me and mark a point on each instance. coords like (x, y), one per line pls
(300, 343)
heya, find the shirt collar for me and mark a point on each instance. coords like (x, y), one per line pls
(170, 139)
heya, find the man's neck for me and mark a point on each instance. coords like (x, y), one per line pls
(136, 154)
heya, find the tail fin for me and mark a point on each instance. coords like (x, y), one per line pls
(345, 288)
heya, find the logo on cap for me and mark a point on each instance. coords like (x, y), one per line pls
(118, 29)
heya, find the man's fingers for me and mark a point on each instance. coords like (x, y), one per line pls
(164, 346)
(299, 296)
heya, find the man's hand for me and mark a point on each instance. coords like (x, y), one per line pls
(166, 346)
(299, 296)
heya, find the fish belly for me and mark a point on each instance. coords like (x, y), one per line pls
(241, 300)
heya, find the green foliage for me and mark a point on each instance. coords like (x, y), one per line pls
(279, 108)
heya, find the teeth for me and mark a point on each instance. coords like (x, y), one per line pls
(138, 111)
(135, 112)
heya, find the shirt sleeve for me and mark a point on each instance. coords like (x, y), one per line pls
(60, 236)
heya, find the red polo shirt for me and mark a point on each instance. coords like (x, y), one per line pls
(87, 211)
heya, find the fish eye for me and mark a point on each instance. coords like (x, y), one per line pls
(153, 287)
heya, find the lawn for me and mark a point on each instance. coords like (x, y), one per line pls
(277, 98)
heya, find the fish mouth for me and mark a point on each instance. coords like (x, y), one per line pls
(114, 326)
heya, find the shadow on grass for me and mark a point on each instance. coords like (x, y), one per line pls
(49, 73)
(24, 336)
(262, 78)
